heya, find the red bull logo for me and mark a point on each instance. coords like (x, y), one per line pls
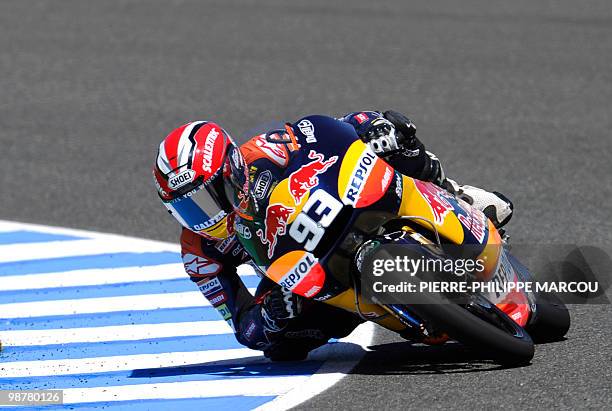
(277, 216)
(436, 199)
(476, 223)
(305, 178)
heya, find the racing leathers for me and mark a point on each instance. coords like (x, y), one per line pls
(284, 326)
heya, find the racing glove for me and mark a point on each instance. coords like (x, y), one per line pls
(393, 137)
(279, 306)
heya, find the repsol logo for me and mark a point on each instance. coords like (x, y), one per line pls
(298, 272)
(181, 179)
(366, 163)
(209, 287)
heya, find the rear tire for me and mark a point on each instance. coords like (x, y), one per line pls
(551, 321)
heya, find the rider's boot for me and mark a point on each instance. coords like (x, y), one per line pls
(497, 207)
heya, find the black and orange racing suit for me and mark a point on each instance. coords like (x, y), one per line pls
(212, 265)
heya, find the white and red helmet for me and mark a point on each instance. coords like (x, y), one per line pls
(193, 163)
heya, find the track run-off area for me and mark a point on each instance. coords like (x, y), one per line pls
(114, 321)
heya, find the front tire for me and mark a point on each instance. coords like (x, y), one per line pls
(483, 326)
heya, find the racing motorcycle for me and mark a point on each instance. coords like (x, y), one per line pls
(338, 202)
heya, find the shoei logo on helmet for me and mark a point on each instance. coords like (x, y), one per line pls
(209, 145)
(181, 179)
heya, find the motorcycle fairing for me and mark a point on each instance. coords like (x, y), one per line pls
(341, 174)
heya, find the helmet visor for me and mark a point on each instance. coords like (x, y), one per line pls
(199, 211)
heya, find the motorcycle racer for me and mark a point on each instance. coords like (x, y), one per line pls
(199, 169)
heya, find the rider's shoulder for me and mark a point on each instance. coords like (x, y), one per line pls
(273, 146)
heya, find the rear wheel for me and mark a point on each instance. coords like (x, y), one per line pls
(551, 321)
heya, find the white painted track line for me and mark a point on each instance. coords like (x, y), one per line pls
(104, 304)
(129, 332)
(268, 386)
(97, 277)
(338, 358)
(14, 226)
(93, 277)
(58, 249)
(119, 363)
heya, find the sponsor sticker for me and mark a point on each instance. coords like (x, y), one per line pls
(248, 332)
(299, 271)
(386, 180)
(224, 311)
(196, 265)
(237, 250)
(476, 223)
(360, 175)
(277, 216)
(218, 299)
(209, 145)
(252, 172)
(364, 178)
(306, 333)
(315, 289)
(236, 159)
(262, 184)
(210, 287)
(214, 220)
(225, 245)
(160, 189)
(307, 128)
(182, 178)
(323, 297)
(362, 118)
(436, 198)
(305, 177)
(398, 186)
(243, 230)
(305, 277)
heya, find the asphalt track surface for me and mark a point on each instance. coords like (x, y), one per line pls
(511, 95)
